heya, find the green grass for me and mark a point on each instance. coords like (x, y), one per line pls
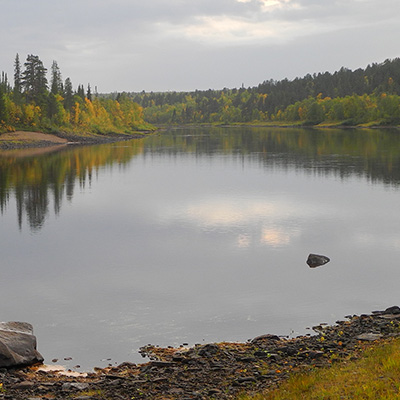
(376, 375)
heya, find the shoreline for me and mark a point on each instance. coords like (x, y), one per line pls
(213, 370)
(256, 124)
(30, 140)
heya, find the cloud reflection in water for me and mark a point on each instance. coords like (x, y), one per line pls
(253, 221)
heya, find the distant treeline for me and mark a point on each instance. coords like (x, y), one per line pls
(30, 102)
(346, 97)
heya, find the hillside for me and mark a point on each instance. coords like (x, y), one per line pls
(363, 96)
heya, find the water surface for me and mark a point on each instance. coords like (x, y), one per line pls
(197, 235)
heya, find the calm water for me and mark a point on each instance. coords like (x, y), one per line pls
(196, 236)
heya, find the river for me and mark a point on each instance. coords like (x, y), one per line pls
(197, 235)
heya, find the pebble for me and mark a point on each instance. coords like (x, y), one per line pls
(74, 386)
(370, 337)
(24, 385)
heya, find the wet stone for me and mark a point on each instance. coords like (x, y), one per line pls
(369, 337)
(266, 338)
(392, 310)
(24, 385)
(316, 260)
(68, 386)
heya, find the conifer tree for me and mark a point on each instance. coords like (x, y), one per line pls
(3, 111)
(68, 94)
(56, 81)
(4, 82)
(34, 81)
(81, 92)
(17, 80)
(89, 93)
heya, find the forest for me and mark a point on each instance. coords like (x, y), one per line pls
(33, 103)
(346, 97)
(369, 96)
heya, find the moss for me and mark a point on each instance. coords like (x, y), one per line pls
(374, 376)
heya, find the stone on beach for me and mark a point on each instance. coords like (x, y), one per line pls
(17, 345)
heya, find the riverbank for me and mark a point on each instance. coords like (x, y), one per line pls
(215, 370)
(31, 139)
(275, 124)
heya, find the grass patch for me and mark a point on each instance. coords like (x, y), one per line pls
(98, 394)
(376, 375)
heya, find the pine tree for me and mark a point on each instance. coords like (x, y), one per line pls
(17, 80)
(81, 92)
(34, 81)
(4, 82)
(3, 111)
(56, 81)
(68, 94)
(89, 93)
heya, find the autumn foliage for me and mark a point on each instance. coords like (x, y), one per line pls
(29, 104)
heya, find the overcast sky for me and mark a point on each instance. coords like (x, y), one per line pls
(160, 45)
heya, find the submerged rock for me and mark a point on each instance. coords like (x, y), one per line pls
(17, 345)
(316, 260)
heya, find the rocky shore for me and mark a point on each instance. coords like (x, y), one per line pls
(215, 370)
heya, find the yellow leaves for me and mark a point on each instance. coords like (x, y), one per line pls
(31, 114)
(302, 113)
(76, 113)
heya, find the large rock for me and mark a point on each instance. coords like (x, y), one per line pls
(17, 345)
(316, 260)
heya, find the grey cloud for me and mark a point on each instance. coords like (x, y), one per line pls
(152, 45)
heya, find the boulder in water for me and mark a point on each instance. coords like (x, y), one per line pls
(316, 260)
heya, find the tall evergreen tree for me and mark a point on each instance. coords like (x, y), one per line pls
(89, 93)
(4, 82)
(68, 94)
(56, 81)
(17, 80)
(81, 92)
(34, 81)
(3, 111)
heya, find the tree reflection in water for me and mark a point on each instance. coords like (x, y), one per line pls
(36, 180)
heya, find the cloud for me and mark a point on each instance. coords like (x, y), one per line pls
(187, 45)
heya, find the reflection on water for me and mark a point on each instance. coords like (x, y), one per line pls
(36, 179)
(374, 154)
(197, 235)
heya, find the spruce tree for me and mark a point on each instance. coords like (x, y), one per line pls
(68, 94)
(56, 81)
(34, 81)
(3, 111)
(81, 92)
(89, 93)
(17, 80)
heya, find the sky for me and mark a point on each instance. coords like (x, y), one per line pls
(184, 45)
